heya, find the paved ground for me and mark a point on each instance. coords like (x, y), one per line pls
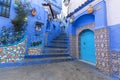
(54, 71)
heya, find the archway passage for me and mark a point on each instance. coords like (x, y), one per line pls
(87, 46)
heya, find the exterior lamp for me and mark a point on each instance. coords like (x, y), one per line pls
(50, 16)
(66, 2)
(71, 19)
(25, 19)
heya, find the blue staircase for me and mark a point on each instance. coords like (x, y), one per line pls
(56, 52)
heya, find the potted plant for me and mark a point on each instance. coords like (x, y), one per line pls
(22, 10)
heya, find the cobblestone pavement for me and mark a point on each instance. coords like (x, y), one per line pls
(54, 71)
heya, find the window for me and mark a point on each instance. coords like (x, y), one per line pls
(5, 8)
(38, 28)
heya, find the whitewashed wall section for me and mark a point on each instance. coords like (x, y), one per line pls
(113, 12)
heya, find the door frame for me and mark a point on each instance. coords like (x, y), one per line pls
(80, 46)
(78, 32)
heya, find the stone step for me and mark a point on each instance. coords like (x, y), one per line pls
(50, 58)
(60, 41)
(59, 44)
(54, 51)
(62, 38)
(63, 35)
(55, 46)
(48, 48)
(46, 56)
(32, 61)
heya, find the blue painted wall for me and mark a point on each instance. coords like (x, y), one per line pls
(98, 17)
(7, 21)
(84, 20)
(81, 21)
(41, 16)
(114, 32)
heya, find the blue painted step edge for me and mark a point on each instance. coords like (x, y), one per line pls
(116, 77)
(47, 55)
(17, 64)
(55, 47)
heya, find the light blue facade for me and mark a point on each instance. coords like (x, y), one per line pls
(107, 40)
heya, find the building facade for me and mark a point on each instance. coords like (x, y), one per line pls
(40, 27)
(93, 30)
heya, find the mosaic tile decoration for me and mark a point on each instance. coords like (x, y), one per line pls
(35, 51)
(73, 46)
(101, 43)
(102, 50)
(13, 53)
(115, 63)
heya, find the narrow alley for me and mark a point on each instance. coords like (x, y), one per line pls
(54, 71)
(59, 40)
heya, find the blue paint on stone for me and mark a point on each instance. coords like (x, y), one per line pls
(114, 32)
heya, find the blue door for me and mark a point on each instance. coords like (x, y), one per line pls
(87, 46)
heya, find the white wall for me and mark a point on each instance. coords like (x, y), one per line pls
(113, 12)
(75, 4)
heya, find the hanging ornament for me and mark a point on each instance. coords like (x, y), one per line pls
(34, 12)
(90, 10)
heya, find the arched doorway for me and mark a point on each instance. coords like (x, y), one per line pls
(87, 46)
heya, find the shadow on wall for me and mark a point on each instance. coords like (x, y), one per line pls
(84, 20)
